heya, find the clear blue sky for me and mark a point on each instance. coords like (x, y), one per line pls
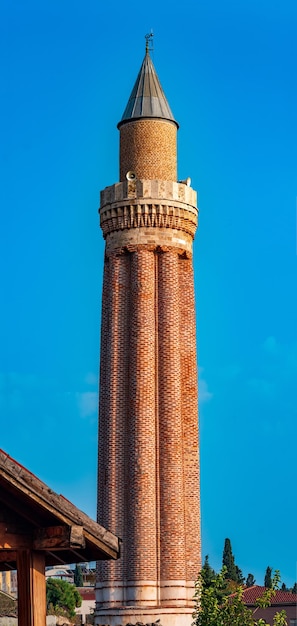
(229, 73)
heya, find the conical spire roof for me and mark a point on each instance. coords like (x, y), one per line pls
(147, 98)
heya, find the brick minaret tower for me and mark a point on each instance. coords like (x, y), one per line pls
(148, 490)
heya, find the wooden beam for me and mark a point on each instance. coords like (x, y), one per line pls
(17, 506)
(31, 588)
(7, 556)
(14, 537)
(59, 538)
(78, 556)
(109, 552)
(25, 494)
(55, 558)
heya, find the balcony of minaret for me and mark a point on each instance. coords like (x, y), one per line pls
(149, 211)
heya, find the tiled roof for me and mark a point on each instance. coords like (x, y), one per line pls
(147, 98)
(251, 595)
(87, 593)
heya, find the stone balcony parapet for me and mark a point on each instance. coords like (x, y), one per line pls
(147, 204)
(145, 189)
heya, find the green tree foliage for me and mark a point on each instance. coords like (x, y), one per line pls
(239, 576)
(250, 580)
(280, 619)
(62, 596)
(208, 576)
(228, 561)
(294, 588)
(78, 577)
(231, 611)
(268, 579)
(207, 573)
(210, 611)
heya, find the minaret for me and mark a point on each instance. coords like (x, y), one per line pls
(148, 491)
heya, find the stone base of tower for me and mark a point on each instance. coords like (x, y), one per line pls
(174, 609)
(130, 615)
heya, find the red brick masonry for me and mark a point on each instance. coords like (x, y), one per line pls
(148, 454)
(148, 490)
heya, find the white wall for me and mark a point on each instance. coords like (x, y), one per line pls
(85, 608)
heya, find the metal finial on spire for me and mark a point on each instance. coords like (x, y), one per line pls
(148, 41)
(147, 98)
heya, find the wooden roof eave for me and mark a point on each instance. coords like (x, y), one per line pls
(23, 484)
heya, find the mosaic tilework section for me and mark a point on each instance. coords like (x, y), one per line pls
(148, 148)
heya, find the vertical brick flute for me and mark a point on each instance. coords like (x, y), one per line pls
(148, 488)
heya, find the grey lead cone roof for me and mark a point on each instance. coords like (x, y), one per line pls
(147, 98)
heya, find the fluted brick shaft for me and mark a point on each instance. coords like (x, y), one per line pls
(189, 415)
(172, 531)
(141, 541)
(103, 453)
(148, 453)
(113, 404)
